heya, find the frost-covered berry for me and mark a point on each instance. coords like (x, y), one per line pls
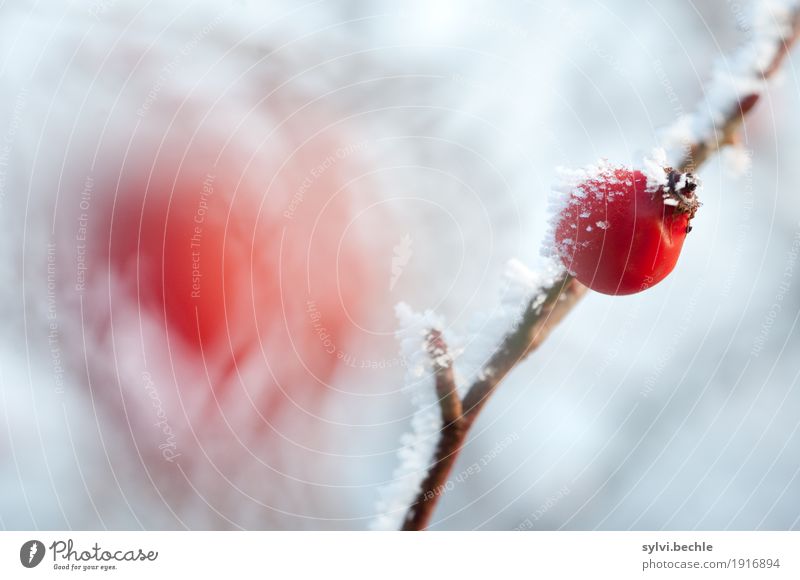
(619, 232)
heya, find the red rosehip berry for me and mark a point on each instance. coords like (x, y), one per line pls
(619, 233)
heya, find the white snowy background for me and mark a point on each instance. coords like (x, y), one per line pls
(677, 408)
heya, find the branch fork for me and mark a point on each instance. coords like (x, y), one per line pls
(542, 313)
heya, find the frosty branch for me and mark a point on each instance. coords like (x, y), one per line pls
(719, 127)
(727, 132)
(541, 315)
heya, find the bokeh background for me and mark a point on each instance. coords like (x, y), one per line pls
(342, 157)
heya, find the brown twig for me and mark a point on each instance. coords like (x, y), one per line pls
(542, 313)
(449, 401)
(451, 437)
(539, 318)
